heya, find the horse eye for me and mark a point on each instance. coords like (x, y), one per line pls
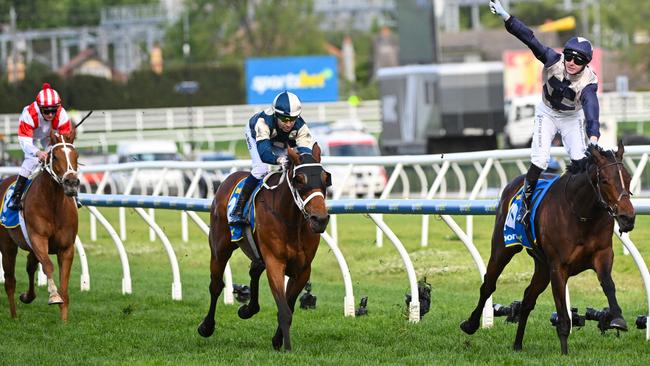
(301, 178)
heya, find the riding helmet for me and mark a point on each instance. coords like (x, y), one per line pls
(287, 104)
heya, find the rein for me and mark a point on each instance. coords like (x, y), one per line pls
(47, 164)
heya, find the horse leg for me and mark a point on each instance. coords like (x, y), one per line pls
(603, 266)
(65, 263)
(275, 273)
(30, 267)
(246, 311)
(499, 258)
(40, 248)
(9, 266)
(558, 284)
(217, 267)
(294, 287)
(538, 284)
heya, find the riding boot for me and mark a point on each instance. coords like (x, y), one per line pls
(15, 203)
(77, 202)
(237, 216)
(523, 215)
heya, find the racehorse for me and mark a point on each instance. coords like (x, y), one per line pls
(51, 221)
(289, 217)
(574, 226)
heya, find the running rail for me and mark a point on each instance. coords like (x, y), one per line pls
(445, 208)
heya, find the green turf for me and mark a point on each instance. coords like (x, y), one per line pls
(148, 328)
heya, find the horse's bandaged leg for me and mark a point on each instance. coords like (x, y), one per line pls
(55, 298)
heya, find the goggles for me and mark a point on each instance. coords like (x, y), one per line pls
(286, 119)
(577, 58)
(49, 110)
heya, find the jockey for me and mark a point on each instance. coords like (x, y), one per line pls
(268, 135)
(36, 121)
(570, 86)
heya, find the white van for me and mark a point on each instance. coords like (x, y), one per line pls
(148, 179)
(520, 116)
(364, 180)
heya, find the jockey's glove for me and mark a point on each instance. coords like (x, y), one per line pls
(497, 8)
(283, 161)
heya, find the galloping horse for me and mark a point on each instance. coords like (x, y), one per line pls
(50, 216)
(288, 220)
(574, 227)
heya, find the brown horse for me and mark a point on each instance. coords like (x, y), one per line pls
(574, 226)
(50, 213)
(288, 220)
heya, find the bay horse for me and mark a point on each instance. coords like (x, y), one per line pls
(50, 214)
(574, 227)
(289, 218)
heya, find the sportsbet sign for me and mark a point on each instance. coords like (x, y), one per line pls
(312, 78)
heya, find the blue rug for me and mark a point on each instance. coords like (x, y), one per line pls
(236, 232)
(514, 232)
(8, 217)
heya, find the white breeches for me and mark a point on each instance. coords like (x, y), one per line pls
(29, 165)
(548, 122)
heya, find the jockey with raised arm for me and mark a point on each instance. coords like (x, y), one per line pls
(35, 123)
(268, 135)
(570, 86)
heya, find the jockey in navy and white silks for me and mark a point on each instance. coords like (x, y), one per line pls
(570, 87)
(36, 122)
(268, 135)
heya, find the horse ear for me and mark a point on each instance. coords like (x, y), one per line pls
(293, 155)
(315, 152)
(53, 137)
(620, 151)
(71, 135)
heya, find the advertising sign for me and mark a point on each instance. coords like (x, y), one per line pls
(522, 74)
(311, 78)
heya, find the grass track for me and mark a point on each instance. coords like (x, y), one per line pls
(148, 328)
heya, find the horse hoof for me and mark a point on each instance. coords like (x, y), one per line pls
(277, 343)
(206, 328)
(467, 327)
(26, 299)
(55, 299)
(619, 323)
(516, 347)
(246, 311)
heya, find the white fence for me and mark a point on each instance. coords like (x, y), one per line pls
(211, 124)
(224, 123)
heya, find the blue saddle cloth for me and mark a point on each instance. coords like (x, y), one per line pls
(8, 217)
(514, 233)
(236, 232)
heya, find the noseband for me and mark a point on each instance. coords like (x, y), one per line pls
(48, 164)
(612, 209)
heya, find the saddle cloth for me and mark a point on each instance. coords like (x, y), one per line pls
(236, 232)
(8, 217)
(514, 233)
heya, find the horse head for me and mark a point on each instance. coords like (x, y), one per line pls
(611, 182)
(308, 182)
(61, 162)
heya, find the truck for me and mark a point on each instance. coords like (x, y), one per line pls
(440, 108)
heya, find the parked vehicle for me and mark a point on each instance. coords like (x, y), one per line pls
(520, 115)
(363, 180)
(148, 179)
(213, 178)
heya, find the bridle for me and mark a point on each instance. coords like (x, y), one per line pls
(49, 161)
(296, 195)
(297, 198)
(612, 209)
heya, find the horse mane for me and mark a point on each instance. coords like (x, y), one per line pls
(581, 166)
